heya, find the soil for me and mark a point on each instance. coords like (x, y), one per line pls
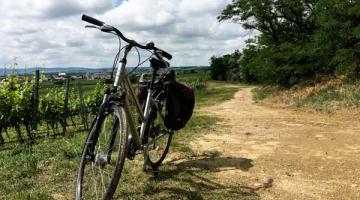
(283, 153)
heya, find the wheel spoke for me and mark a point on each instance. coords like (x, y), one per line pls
(102, 181)
(94, 178)
(97, 175)
(160, 141)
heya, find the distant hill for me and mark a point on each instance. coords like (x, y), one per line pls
(54, 70)
(82, 70)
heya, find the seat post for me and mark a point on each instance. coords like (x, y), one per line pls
(153, 76)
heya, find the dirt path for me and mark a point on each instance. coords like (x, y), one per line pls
(284, 153)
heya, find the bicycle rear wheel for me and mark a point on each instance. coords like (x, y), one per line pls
(159, 139)
(103, 156)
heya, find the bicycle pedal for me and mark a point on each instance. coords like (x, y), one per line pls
(131, 154)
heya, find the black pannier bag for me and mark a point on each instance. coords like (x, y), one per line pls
(179, 105)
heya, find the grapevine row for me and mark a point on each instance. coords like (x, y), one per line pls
(16, 108)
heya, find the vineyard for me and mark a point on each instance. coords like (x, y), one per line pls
(26, 115)
(32, 108)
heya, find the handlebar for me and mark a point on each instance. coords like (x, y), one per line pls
(92, 20)
(106, 28)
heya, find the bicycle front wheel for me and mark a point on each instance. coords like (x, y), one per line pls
(103, 156)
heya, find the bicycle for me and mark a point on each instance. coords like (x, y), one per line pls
(109, 141)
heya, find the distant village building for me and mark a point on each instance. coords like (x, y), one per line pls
(88, 76)
(98, 76)
(62, 74)
(76, 77)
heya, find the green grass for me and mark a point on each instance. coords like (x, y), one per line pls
(213, 96)
(193, 77)
(42, 171)
(48, 169)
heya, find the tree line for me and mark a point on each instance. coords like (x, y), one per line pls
(297, 41)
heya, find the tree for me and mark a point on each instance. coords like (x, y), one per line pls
(277, 20)
(226, 68)
(298, 40)
(339, 35)
(217, 68)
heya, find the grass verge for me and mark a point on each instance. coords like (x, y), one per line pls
(330, 95)
(261, 93)
(332, 98)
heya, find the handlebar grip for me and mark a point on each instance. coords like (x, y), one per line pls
(92, 20)
(165, 54)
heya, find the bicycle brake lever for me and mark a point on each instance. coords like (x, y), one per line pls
(90, 26)
(106, 28)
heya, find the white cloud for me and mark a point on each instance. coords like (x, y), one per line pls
(142, 14)
(51, 32)
(52, 8)
(200, 8)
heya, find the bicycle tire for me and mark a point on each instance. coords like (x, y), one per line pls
(161, 146)
(155, 163)
(93, 156)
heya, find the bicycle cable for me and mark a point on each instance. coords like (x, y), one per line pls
(140, 63)
(116, 57)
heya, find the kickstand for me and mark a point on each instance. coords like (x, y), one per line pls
(147, 168)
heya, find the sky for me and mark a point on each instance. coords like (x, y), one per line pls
(50, 33)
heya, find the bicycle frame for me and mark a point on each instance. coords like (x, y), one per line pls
(122, 77)
(116, 116)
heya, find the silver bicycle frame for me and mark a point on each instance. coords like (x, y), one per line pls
(122, 77)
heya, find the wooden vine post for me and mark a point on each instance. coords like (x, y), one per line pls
(35, 105)
(82, 107)
(66, 102)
